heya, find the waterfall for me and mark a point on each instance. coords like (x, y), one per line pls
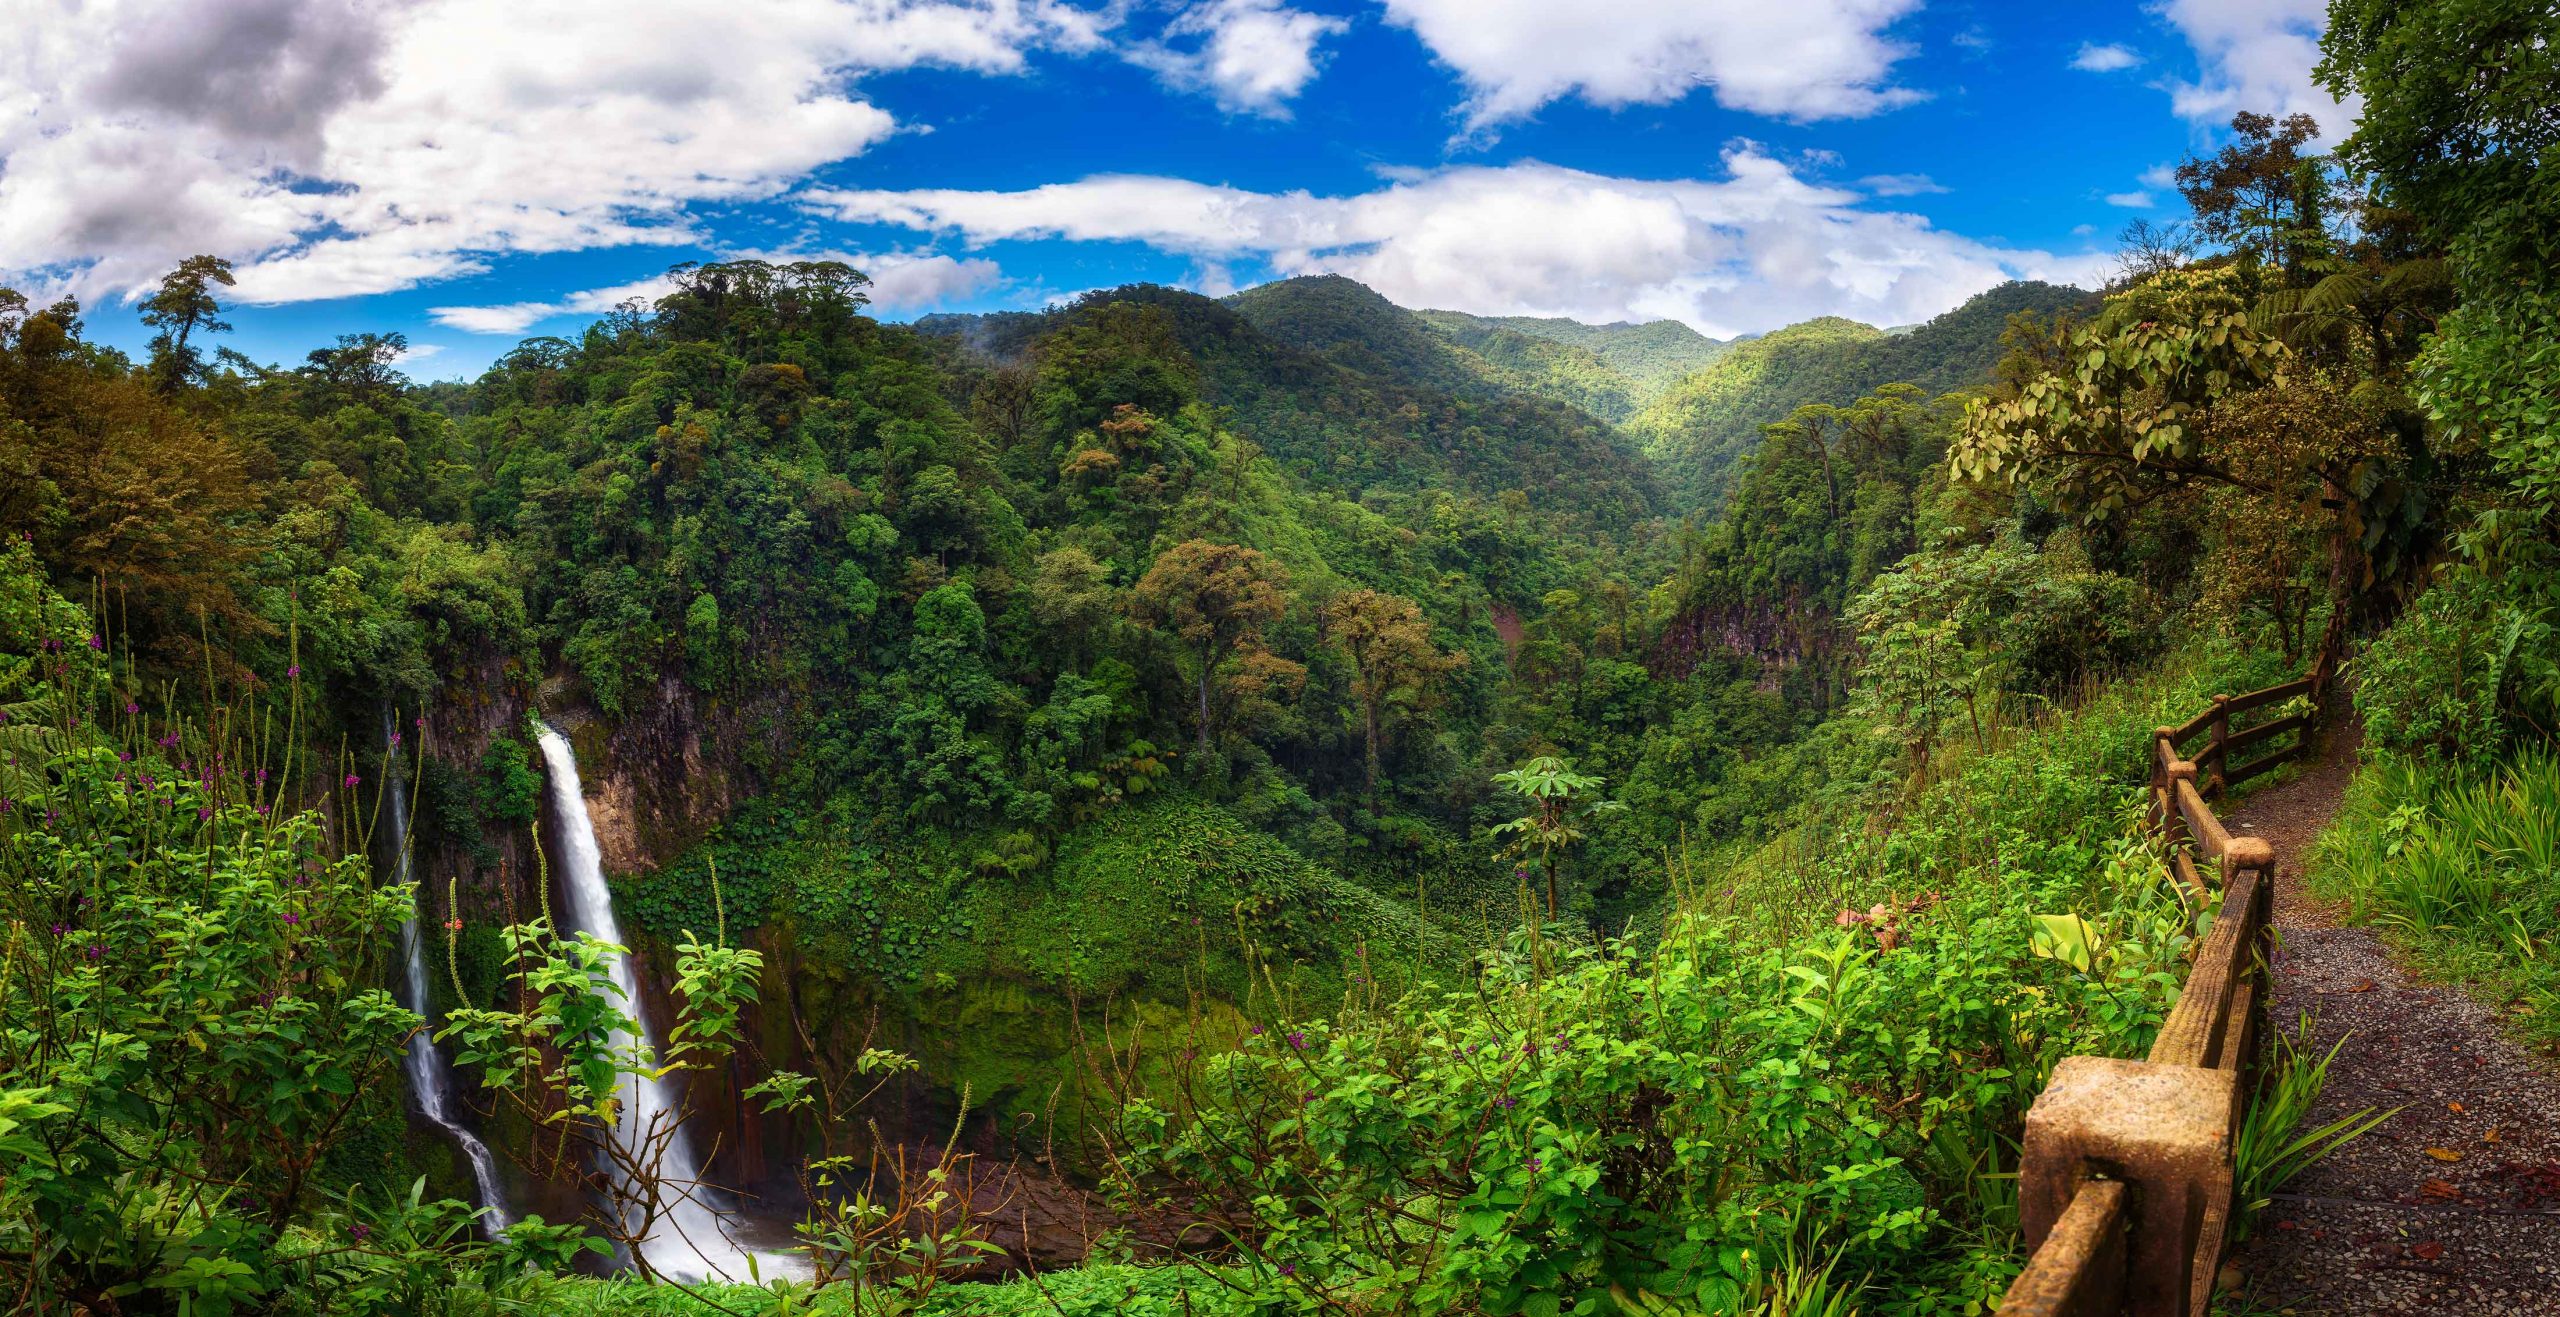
(690, 1240)
(428, 1079)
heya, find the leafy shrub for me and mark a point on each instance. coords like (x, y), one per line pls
(510, 791)
(2436, 680)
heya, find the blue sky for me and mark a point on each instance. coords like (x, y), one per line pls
(469, 172)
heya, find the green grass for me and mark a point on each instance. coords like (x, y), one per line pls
(2460, 868)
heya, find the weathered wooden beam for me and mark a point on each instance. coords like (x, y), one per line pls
(2242, 740)
(2079, 1271)
(2276, 694)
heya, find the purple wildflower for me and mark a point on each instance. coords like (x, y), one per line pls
(352, 779)
(1288, 1268)
(292, 918)
(1257, 1031)
(1297, 1041)
(293, 671)
(203, 812)
(358, 1231)
(131, 707)
(97, 642)
(97, 951)
(1506, 1102)
(1533, 1163)
(59, 930)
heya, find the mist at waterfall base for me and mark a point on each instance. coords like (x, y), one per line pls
(690, 1240)
(429, 1081)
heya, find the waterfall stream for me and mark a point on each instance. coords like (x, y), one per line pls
(429, 1080)
(690, 1239)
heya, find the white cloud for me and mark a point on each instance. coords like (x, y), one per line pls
(2255, 55)
(2104, 59)
(919, 282)
(900, 281)
(1254, 56)
(2130, 200)
(1901, 185)
(1756, 249)
(2160, 178)
(508, 318)
(338, 147)
(1802, 59)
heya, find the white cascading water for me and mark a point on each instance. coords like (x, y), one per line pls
(690, 1240)
(429, 1081)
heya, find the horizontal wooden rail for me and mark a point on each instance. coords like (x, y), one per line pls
(2125, 1180)
(2080, 1270)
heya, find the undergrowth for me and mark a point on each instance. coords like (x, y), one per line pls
(2460, 867)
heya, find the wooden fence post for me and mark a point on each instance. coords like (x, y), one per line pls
(2165, 1131)
(2221, 756)
(2164, 804)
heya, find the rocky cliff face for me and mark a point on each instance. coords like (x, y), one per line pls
(1780, 637)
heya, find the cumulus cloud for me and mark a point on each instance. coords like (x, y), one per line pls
(338, 147)
(2255, 55)
(1804, 59)
(900, 281)
(1254, 56)
(1901, 185)
(1757, 248)
(2108, 58)
(2160, 178)
(2130, 200)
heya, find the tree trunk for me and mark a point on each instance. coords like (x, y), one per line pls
(1208, 664)
(1369, 719)
(2333, 638)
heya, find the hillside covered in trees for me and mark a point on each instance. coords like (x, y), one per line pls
(1340, 808)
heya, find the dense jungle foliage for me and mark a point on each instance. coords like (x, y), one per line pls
(1459, 815)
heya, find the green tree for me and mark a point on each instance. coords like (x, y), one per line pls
(183, 307)
(1215, 599)
(1559, 808)
(1389, 645)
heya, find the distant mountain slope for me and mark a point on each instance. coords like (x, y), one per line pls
(1355, 395)
(1650, 357)
(1696, 430)
(1351, 325)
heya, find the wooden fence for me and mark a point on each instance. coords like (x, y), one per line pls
(2125, 1180)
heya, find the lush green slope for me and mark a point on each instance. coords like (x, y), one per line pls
(1352, 394)
(1569, 360)
(1697, 430)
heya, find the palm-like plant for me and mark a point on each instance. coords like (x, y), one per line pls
(1559, 802)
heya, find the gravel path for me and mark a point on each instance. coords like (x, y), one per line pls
(2452, 1207)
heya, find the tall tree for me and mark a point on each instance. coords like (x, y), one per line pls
(1216, 598)
(2262, 195)
(183, 308)
(1389, 645)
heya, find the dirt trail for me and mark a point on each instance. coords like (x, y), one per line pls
(2451, 1207)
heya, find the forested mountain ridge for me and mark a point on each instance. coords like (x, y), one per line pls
(1348, 391)
(1569, 357)
(1697, 429)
